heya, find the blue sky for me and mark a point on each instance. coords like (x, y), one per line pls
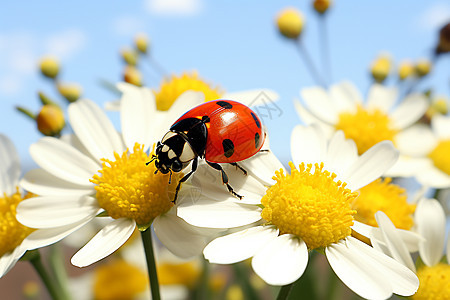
(235, 46)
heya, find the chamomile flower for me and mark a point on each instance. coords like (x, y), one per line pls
(308, 209)
(427, 151)
(376, 120)
(16, 238)
(99, 171)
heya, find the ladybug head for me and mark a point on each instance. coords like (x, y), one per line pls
(173, 153)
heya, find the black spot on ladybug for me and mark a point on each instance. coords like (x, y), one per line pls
(205, 119)
(228, 147)
(224, 104)
(257, 140)
(256, 120)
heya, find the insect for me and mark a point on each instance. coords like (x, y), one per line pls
(220, 131)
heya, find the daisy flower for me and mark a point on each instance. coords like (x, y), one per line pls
(98, 172)
(308, 209)
(376, 120)
(172, 88)
(17, 238)
(427, 150)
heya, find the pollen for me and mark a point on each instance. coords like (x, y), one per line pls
(389, 198)
(365, 127)
(434, 282)
(12, 233)
(128, 188)
(440, 156)
(118, 280)
(174, 86)
(310, 204)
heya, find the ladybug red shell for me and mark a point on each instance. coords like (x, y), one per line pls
(234, 130)
(220, 131)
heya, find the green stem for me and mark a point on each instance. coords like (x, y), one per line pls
(151, 265)
(48, 282)
(309, 63)
(326, 60)
(285, 291)
(26, 112)
(242, 277)
(59, 271)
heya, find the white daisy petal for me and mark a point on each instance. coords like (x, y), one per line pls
(441, 126)
(94, 129)
(9, 166)
(430, 221)
(368, 272)
(281, 261)
(55, 211)
(44, 237)
(308, 144)
(341, 153)
(418, 140)
(448, 249)
(64, 161)
(409, 111)
(345, 96)
(8, 260)
(396, 246)
(381, 97)
(432, 176)
(112, 105)
(363, 229)
(203, 212)
(137, 115)
(371, 165)
(305, 116)
(407, 166)
(320, 104)
(105, 242)
(257, 97)
(181, 238)
(263, 166)
(239, 246)
(40, 182)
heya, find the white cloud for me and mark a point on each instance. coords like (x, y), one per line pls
(128, 25)
(435, 16)
(174, 7)
(65, 44)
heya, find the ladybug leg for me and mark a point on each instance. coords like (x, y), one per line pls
(185, 177)
(224, 178)
(239, 167)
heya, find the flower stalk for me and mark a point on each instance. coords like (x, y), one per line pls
(151, 265)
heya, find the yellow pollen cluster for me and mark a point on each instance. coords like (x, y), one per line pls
(366, 128)
(441, 156)
(128, 188)
(434, 282)
(118, 280)
(180, 274)
(387, 197)
(12, 233)
(310, 204)
(173, 87)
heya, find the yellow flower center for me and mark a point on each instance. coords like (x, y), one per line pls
(12, 233)
(173, 87)
(181, 274)
(118, 280)
(310, 205)
(366, 128)
(128, 188)
(434, 282)
(387, 197)
(440, 156)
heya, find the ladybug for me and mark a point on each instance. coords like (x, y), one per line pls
(220, 131)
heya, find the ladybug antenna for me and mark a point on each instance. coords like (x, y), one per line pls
(149, 162)
(156, 171)
(170, 176)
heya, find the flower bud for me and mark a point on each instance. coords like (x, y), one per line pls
(405, 70)
(290, 23)
(49, 67)
(50, 120)
(423, 67)
(132, 75)
(380, 68)
(321, 6)
(70, 91)
(444, 39)
(141, 42)
(129, 56)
